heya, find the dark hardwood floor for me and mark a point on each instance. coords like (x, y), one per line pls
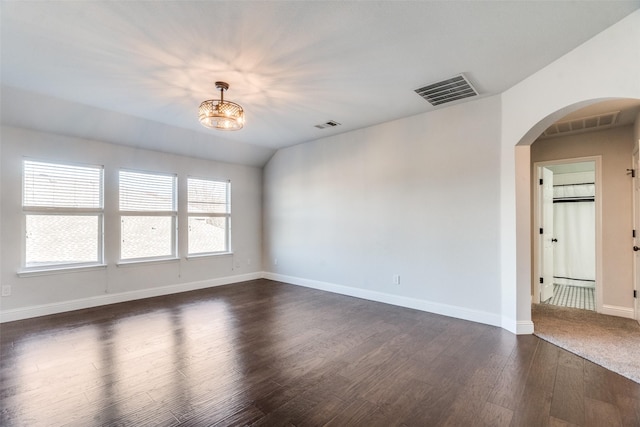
(268, 353)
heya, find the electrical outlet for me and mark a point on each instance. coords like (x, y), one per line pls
(6, 290)
(396, 279)
(248, 261)
(275, 261)
(237, 264)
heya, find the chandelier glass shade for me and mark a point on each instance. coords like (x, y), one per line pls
(221, 114)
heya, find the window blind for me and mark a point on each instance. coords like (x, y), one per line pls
(54, 185)
(207, 196)
(147, 192)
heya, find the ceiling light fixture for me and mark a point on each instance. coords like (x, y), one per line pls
(221, 114)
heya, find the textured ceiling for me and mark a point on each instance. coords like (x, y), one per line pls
(135, 72)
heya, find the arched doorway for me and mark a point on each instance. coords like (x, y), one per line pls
(617, 300)
(605, 67)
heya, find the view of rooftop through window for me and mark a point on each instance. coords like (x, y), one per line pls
(63, 206)
(63, 213)
(209, 216)
(148, 207)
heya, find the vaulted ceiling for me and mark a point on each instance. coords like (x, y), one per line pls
(134, 73)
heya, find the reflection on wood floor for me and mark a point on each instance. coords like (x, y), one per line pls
(268, 353)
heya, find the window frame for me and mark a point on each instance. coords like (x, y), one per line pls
(173, 214)
(227, 215)
(97, 212)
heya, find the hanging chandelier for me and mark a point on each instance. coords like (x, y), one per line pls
(221, 114)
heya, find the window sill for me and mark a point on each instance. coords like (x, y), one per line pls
(59, 270)
(137, 262)
(208, 255)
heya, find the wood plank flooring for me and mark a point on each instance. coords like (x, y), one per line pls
(265, 353)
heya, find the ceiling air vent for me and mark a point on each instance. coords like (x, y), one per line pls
(584, 124)
(329, 124)
(449, 90)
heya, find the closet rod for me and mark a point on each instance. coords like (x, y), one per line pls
(569, 185)
(571, 278)
(580, 200)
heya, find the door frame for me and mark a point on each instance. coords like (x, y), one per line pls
(545, 239)
(635, 166)
(536, 220)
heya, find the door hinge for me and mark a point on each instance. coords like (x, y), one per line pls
(541, 280)
(633, 233)
(542, 231)
(635, 293)
(541, 181)
(631, 172)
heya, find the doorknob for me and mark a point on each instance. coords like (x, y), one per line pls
(635, 248)
(555, 240)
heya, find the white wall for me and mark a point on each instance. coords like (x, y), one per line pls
(418, 197)
(59, 292)
(616, 147)
(322, 199)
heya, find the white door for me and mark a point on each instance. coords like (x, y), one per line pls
(546, 243)
(636, 226)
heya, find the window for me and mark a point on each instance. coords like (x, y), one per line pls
(209, 213)
(63, 208)
(148, 215)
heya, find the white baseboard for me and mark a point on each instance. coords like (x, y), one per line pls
(407, 302)
(613, 310)
(60, 307)
(516, 327)
(524, 327)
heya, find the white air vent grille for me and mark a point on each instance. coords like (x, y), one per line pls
(599, 122)
(329, 124)
(449, 90)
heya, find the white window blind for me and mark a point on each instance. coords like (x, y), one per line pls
(207, 196)
(147, 192)
(61, 186)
